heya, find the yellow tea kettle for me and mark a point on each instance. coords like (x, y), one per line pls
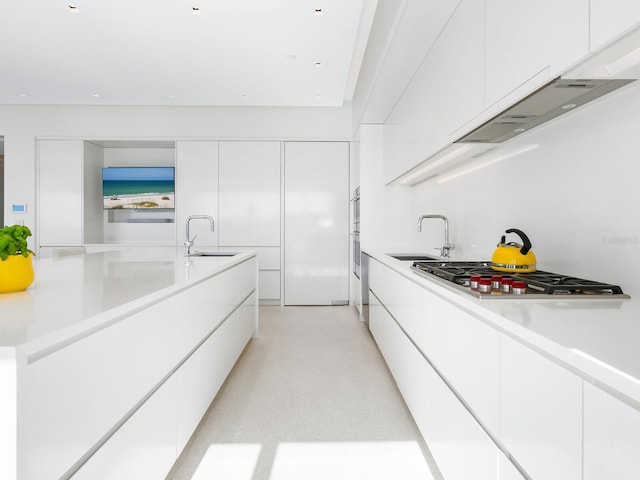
(513, 257)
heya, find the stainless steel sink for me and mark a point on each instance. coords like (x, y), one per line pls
(212, 254)
(414, 257)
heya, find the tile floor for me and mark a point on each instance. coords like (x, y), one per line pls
(310, 398)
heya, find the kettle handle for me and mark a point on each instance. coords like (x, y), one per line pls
(526, 243)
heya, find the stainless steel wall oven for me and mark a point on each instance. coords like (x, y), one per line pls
(356, 232)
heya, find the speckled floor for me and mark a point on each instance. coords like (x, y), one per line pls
(310, 398)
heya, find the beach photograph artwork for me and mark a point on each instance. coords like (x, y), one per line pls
(138, 187)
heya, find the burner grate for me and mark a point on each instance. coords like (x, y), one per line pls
(539, 281)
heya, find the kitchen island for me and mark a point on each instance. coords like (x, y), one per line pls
(109, 360)
(548, 387)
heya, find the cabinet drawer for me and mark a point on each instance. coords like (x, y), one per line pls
(269, 285)
(77, 394)
(268, 257)
(152, 426)
(406, 301)
(465, 351)
(202, 375)
(611, 437)
(540, 413)
(204, 306)
(459, 446)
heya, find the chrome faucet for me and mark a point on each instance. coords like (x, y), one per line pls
(189, 242)
(444, 251)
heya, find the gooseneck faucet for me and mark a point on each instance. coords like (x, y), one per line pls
(188, 242)
(444, 251)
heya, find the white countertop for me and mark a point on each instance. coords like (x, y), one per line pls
(598, 339)
(75, 294)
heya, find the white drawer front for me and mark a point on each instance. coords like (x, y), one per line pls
(94, 382)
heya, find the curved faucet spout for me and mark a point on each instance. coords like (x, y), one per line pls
(188, 242)
(444, 251)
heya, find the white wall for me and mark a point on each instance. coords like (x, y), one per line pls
(21, 125)
(385, 212)
(576, 195)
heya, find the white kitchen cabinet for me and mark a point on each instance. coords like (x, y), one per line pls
(60, 200)
(204, 306)
(153, 426)
(406, 363)
(197, 190)
(129, 357)
(200, 378)
(446, 92)
(465, 351)
(532, 38)
(461, 449)
(611, 437)
(506, 469)
(611, 19)
(269, 284)
(540, 413)
(316, 223)
(376, 316)
(407, 302)
(250, 193)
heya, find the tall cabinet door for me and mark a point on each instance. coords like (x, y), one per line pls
(250, 194)
(316, 216)
(197, 190)
(59, 193)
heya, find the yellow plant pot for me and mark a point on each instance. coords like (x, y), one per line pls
(16, 273)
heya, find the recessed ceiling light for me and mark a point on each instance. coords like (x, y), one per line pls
(317, 11)
(519, 130)
(318, 64)
(195, 10)
(569, 106)
(22, 94)
(95, 95)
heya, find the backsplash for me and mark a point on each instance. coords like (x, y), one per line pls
(576, 194)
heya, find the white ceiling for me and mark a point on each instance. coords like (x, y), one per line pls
(161, 52)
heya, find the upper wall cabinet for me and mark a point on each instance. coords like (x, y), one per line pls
(612, 18)
(445, 93)
(250, 194)
(60, 193)
(197, 189)
(532, 39)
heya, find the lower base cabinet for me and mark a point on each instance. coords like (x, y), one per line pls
(408, 366)
(506, 469)
(200, 378)
(551, 424)
(458, 444)
(540, 413)
(144, 447)
(148, 443)
(611, 437)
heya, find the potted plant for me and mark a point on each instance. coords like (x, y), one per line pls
(16, 269)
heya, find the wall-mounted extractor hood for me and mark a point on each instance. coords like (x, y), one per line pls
(552, 100)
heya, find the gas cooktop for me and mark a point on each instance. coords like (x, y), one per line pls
(539, 284)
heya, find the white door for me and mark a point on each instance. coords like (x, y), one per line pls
(316, 223)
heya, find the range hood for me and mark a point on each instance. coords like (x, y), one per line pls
(552, 100)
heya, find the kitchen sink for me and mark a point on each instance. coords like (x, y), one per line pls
(212, 254)
(414, 257)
